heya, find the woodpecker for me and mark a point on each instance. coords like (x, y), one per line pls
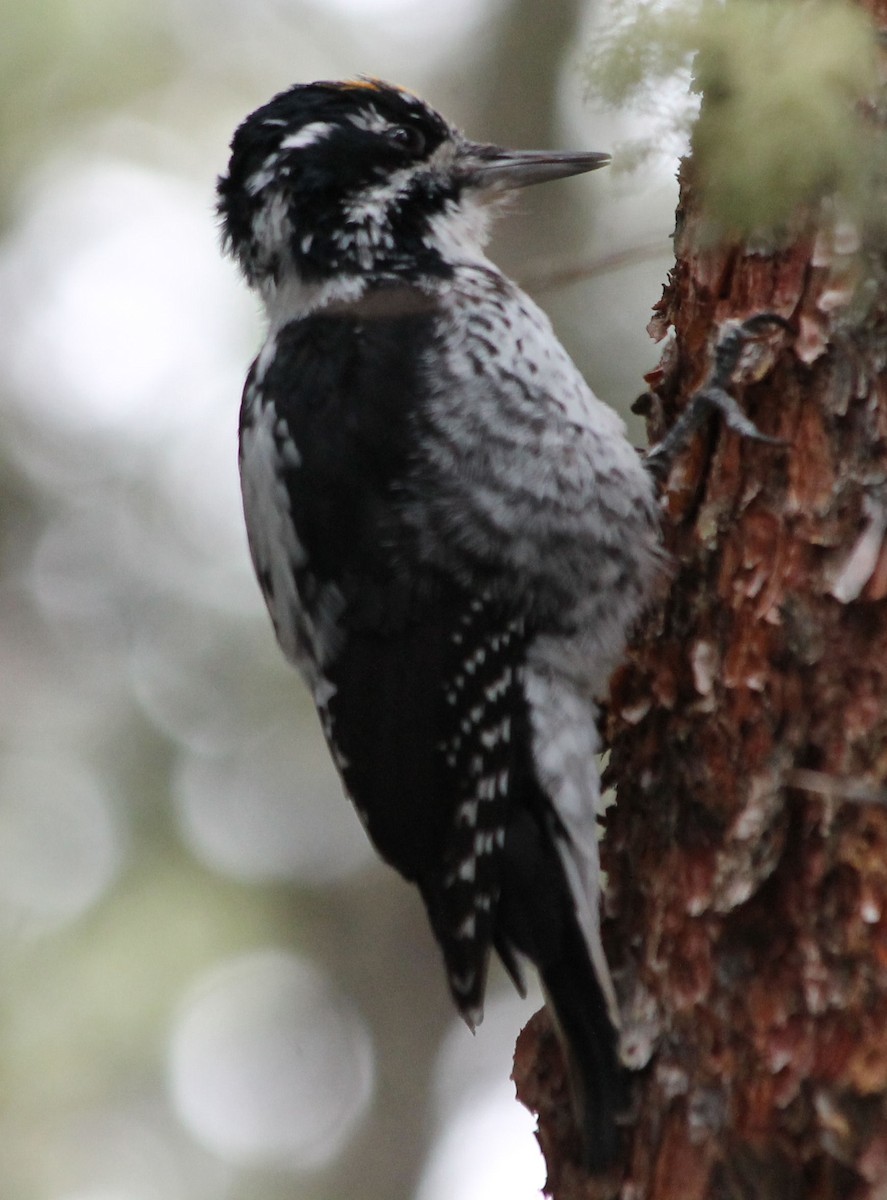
(452, 533)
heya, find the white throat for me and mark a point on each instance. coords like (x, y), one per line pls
(294, 298)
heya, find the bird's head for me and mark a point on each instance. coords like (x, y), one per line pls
(362, 180)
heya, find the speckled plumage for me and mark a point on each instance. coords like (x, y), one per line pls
(451, 532)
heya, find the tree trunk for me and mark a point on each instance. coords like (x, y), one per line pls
(747, 853)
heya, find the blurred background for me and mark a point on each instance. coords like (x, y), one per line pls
(209, 989)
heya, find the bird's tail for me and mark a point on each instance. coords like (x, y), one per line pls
(538, 916)
(571, 962)
(591, 1046)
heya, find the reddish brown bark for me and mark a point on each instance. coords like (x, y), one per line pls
(747, 854)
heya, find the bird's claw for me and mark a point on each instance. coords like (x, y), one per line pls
(731, 360)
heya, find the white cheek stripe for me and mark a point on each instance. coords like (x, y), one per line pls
(370, 120)
(308, 135)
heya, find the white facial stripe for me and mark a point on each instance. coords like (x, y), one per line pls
(371, 120)
(376, 200)
(263, 177)
(460, 231)
(308, 135)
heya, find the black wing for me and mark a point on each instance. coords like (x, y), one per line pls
(423, 694)
(423, 718)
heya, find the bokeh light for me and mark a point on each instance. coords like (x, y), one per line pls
(59, 843)
(101, 343)
(487, 1152)
(269, 1064)
(267, 809)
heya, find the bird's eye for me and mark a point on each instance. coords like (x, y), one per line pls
(408, 138)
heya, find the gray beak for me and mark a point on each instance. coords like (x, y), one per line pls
(492, 167)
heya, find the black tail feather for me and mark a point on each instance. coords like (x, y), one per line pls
(598, 1081)
(537, 916)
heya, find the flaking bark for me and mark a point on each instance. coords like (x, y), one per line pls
(747, 854)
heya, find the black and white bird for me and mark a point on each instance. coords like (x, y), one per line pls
(451, 532)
